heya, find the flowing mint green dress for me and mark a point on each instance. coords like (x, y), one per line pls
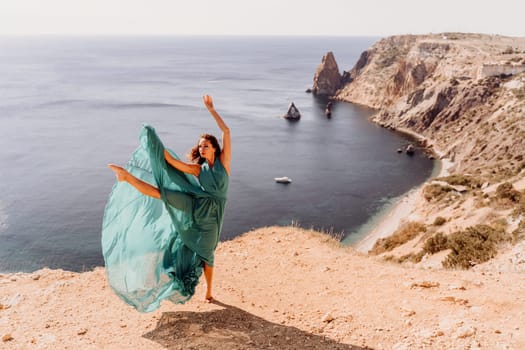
(154, 249)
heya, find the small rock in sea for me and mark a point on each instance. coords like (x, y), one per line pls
(7, 337)
(292, 113)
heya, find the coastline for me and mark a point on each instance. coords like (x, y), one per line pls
(406, 206)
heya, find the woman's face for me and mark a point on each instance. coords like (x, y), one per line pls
(206, 149)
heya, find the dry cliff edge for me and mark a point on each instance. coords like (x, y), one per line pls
(463, 96)
(278, 288)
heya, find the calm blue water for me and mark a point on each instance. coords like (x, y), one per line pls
(69, 106)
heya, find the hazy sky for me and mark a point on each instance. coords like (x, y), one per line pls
(261, 17)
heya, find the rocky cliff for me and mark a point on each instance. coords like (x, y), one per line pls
(436, 85)
(464, 96)
(327, 79)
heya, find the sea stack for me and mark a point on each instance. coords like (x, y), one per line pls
(327, 79)
(292, 113)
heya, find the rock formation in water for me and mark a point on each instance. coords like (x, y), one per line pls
(292, 113)
(327, 79)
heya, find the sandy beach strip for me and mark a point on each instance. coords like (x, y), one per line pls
(406, 207)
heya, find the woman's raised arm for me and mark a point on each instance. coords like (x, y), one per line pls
(193, 169)
(226, 140)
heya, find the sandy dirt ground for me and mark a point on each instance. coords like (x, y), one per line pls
(276, 288)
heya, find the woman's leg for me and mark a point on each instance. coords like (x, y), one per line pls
(141, 186)
(208, 275)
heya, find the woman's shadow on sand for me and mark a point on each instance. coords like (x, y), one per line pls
(233, 328)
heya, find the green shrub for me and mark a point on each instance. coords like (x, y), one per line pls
(436, 243)
(404, 234)
(472, 246)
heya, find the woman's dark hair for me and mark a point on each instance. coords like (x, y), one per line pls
(194, 154)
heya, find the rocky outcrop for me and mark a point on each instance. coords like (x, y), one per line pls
(431, 84)
(327, 79)
(488, 70)
(292, 113)
(463, 95)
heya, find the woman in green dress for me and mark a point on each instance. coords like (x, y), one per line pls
(160, 233)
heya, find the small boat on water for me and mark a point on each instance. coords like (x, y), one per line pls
(283, 180)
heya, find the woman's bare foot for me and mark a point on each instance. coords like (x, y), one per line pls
(209, 299)
(119, 171)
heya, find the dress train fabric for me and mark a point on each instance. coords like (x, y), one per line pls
(155, 249)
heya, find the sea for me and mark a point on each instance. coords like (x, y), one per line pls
(71, 105)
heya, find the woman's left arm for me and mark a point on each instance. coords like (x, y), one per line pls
(226, 140)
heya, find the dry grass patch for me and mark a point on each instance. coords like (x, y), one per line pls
(324, 236)
(412, 257)
(405, 233)
(436, 192)
(519, 233)
(436, 243)
(461, 180)
(473, 246)
(519, 210)
(507, 197)
(506, 191)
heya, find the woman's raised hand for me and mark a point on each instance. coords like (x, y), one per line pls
(208, 102)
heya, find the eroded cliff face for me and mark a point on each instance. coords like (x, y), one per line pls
(435, 85)
(464, 96)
